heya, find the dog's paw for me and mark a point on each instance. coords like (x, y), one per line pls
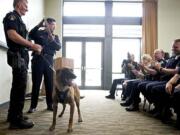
(60, 115)
(51, 128)
(69, 130)
(80, 120)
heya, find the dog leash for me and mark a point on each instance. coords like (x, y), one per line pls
(50, 66)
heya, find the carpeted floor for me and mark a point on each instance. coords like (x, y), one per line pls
(101, 117)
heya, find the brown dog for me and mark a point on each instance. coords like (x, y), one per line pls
(65, 92)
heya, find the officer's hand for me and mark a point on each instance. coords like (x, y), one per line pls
(41, 23)
(130, 65)
(169, 88)
(157, 66)
(37, 48)
(51, 37)
(141, 65)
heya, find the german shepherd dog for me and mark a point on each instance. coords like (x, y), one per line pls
(65, 92)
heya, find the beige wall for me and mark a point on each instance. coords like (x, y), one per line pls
(168, 23)
(53, 9)
(35, 14)
(4, 8)
(5, 77)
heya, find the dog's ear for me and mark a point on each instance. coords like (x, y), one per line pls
(68, 73)
(71, 74)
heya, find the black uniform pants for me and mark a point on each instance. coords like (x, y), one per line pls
(114, 85)
(149, 93)
(132, 91)
(40, 68)
(17, 95)
(160, 96)
(176, 101)
(142, 88)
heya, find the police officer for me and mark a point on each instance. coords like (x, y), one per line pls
(159, 96)
(173, 89)
(17, 57)
(42, 64)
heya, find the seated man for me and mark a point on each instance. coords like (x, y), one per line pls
(173, 89)
(127, 67)
(159, 96)
(151, 75)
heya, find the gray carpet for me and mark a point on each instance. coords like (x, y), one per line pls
(101, 117)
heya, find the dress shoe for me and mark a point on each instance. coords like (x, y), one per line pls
(24, 118)
(178, 122)
(110, 97)
(153, 111)
(31, 110)
(166, 115)
(81, 97)
(177, 125)
(125, 104)
(22, 124)
(157, 115)
(132, 108)
(123, 98)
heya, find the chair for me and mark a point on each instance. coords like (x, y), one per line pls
(120, 87)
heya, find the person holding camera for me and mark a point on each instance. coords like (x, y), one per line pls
(18, 58)
(42, 65)
(127, 67)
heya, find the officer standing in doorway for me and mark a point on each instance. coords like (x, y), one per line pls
(18, 58)
(42, 64)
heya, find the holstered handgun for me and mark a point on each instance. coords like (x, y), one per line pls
(15, 60)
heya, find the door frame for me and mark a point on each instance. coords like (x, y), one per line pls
(83, 40)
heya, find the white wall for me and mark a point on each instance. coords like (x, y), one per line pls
(4, 8)
(5, 77)
(168, 23)
(34, 15)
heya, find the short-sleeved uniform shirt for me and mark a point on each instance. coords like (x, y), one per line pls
(13, 21)
(172, 63)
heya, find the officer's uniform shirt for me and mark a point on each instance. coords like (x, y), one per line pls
(178, 67)
(41, 37)
(13, 21)
(178, 82)
(172, 63)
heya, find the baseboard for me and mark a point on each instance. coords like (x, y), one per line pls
(4, 105)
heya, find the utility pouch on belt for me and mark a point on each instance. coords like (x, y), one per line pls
(15, 60)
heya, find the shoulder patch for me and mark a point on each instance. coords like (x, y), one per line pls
(12, 17)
